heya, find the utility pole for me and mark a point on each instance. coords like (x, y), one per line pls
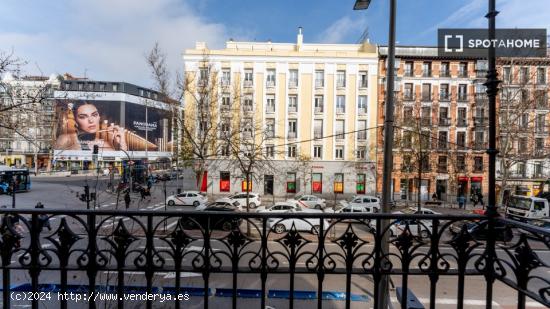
(13, 189)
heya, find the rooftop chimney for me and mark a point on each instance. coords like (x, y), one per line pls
(300, 39)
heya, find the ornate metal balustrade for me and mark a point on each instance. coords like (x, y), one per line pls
(318, 244)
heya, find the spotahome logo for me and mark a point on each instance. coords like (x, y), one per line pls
(508, 43)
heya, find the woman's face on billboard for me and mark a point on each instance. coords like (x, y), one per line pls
(87, 118)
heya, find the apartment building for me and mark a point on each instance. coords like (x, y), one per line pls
(317, 102)
(27, 122)
(523, 135)
(441, 125)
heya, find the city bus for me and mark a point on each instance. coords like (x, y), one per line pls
(20, 176)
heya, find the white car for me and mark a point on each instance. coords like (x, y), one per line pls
(414, 210)
(310, 201)
(254, 200)
(279, 225)
(285, 207)
(371, 203)
(194, 198)
(420, 228)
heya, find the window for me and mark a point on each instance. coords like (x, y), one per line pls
(540, 123)
(317, 152)
(225, 150)
(317, 183)
(291, 182)
(270, 104)
(524, 75)
(226, 102)
(462, 92)
(507, 75)
(442, 140)
(362, 130)
(292, 104)
(340, 104)
(67, 86)
(91, 86)
(463, 69)
(341, 79)
(444, 92)
(407, 140)
(461, 117)
(361, 183)
(101, 87)
(524, 120)
(539, 145)
(363, 79)
(293, 79)
(461, 140)
(542, 99)
(339, 153)
(270, 127)
(408, 93)
(292, 127)
(478, 164)
(409, 68)
(270, 78)
(247, 128)
(339, 129)
(538, 169)
(425, 163)
(339, 183)
(80, 86)
(522, 144)
(318, 103)
(426, 116)
(270, 151)
(426, 92)
(319, 79)
(427, 69)
(444, 71)
(225, 128)
(361, 152)
(461, 163)
(226, 77)
(444, 116)
(248, 104)
(141, 92)
(442, 164)
(541, 76)
(225, 182)
(291, 151)
(115, 87)
(521, 169)
(318, 129)
(248, 78)
(362, 104)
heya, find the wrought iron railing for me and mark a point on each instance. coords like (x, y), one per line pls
(237, 244)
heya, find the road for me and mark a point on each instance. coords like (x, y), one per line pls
(60, 192)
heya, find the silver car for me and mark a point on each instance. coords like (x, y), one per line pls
(310, 201)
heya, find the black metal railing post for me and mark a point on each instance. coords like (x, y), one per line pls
(150, 270)
(320, 264)
(263, 270)
(92, 266)
(34, 269)
(434, 250)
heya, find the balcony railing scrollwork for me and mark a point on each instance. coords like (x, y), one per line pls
(233, 244)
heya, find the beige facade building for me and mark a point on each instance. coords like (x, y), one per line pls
(317, 101)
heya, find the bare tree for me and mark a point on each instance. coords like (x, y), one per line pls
(523, 113)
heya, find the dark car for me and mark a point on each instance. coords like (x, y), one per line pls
(217, 222)
(479, 230)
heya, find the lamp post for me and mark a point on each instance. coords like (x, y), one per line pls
(382, 288)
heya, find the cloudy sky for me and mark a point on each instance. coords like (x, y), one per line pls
(107, 39)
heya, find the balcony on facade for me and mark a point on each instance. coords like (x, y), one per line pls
(442, 145)
(248, 84)
(425, 121)
(444, 97)
(409, 97)
(317, 134)
(319, 109)
(462, 97)
(270, 109)
(270, 84)
(291, 135)
(362, 135)
(461, 122)
(444, 122)
(480, 122)
(225, 82)
(476, 145)
(292, 109)
(441, 168)
(292, 84)
(445, 73)
(426, 97)
(340, 110)
(339, 136)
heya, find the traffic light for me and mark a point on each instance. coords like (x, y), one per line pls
(96, 149)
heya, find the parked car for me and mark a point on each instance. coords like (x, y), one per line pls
(478, 230)
(194, 198)
(414, 210)
(417, 228)
(217, 222)
(310, 201)
(371, 203)
(222, 202)
(285, 207)
(254, 199)
(279, 225)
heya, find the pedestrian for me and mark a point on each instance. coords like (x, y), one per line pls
(127, 199)
(474, 198)
(461, 202)
(480, 199)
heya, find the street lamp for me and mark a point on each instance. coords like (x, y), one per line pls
(381, 300)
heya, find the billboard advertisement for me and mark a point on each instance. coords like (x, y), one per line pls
(114, 126)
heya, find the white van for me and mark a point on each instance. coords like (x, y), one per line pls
(524, 207)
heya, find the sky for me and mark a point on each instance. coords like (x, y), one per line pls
(108, 39)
